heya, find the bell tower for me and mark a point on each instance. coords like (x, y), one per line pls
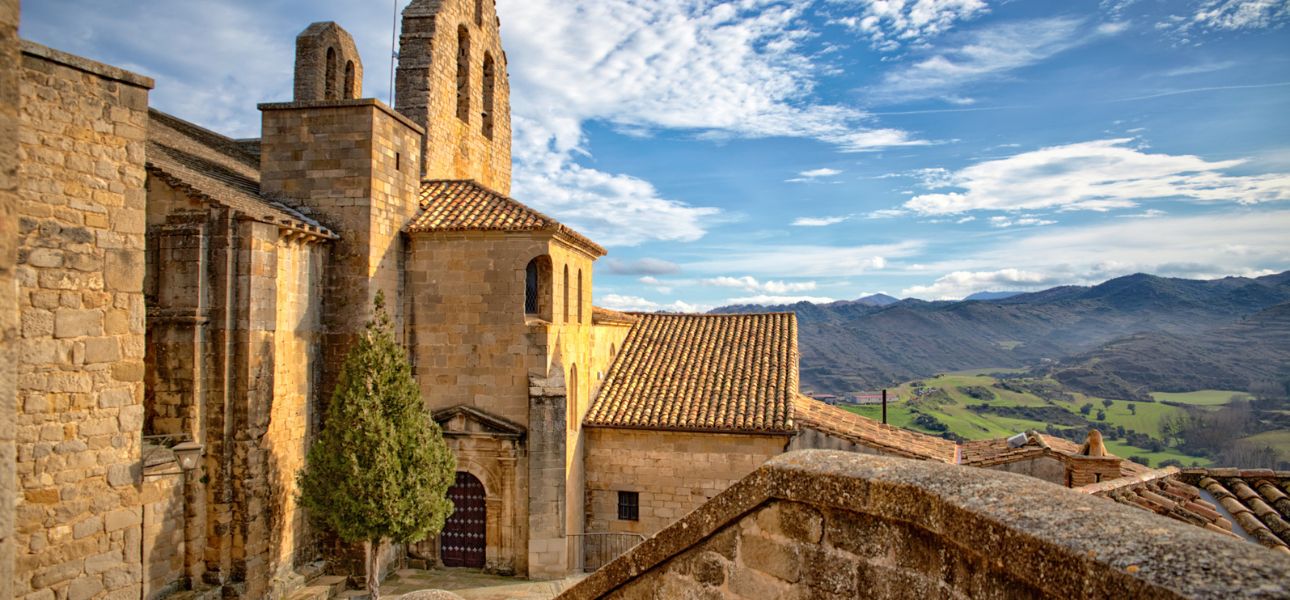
(452, 81)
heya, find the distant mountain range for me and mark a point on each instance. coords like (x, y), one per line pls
(1126, 335)
(986, 296)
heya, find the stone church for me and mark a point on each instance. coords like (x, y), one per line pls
(176, 289)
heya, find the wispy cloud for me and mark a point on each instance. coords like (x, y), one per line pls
(814, 175)
(639, 304)
(1023, 221)
(989, 53)
(889, 24)
(771, 300)
(1099, 175)
(1198, 246)
(1215, 88)
(805, 260)
(751, 284)
(818, 221)
(1228, 15)
(643, 266)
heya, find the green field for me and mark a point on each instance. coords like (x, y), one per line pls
(1200, 398)
(1277, 439)
(954, 412)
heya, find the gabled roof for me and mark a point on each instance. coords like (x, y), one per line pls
(725, 373)
(987, 453)
(847, 425)
(217, 169)
(463, 205)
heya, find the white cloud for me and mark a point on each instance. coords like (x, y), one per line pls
(639, 304)
(804, 260)
(1199, 246)
(769, 300)
(731, 70)
(825, 172)
(967, 219)
(1023, 221)
(1146, 214)
(959, 284)
(751, 284)
(1232, 15)
(886, 213)
(889, 24)
(818, 221)
(990, 53)
(1099, 175)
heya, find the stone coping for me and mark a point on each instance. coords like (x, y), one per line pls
(1132, 480)
(1068, 543)
(383, 107)
(81, 63)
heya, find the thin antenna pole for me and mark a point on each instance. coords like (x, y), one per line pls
(394, 50)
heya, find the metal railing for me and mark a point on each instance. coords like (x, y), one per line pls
(599, 549)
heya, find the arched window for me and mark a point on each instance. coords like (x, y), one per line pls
(579, 299)
(490, 86)
(330, 81)
(566, 293)
(351, 89)
(479, 13)
(537, 288)
(463, 73)
(573, 397)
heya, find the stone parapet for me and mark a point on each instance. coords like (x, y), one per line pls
(825, 524)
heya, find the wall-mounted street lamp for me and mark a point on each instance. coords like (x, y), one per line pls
(187, 454)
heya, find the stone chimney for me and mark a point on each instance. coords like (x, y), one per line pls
(1092, 464)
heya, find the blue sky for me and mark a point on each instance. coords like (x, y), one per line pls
(758, 151)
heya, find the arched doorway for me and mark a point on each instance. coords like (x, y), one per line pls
(463, 540)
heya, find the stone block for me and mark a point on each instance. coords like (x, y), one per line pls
(768, 555)
(84, 588)
(120, 519)
(102, 350)
(792, 520)
(69, 323)
(86, 527)
(123, 271)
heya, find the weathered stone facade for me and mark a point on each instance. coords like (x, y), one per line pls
(10, 61)
(81, 353)
(452, 81)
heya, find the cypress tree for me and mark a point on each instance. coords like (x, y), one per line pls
(380, 470)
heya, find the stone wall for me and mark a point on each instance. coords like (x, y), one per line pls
(355, 164)
(674, 472)
(827, 524)
(80, 358)
(164, 545)
(10, 59)
(297, 401)
(1048, 468)
(426, 90)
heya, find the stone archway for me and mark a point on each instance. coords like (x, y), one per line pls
(464, 540)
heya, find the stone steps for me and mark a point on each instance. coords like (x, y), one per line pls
(326, 587)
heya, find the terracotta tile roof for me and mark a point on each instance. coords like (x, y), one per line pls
(730, 373)
(463, 205)
(1159, 491)
(1257, 499)
(604, 315)
(985, 453)
(847, 425)
(217, 169)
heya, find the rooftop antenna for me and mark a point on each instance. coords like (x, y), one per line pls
(394, 49)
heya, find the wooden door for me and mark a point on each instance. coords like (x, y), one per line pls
(463, 540)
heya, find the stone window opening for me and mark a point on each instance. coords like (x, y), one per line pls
(566, 294)
(479, 13)
(490, 90)
(351, 86)
(463, 74)
(537, 288)
(629, 506)
(398, 161)
(573, 397)
(579, 298)
(329, 78)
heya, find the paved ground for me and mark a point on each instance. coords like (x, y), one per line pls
(473, 585)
